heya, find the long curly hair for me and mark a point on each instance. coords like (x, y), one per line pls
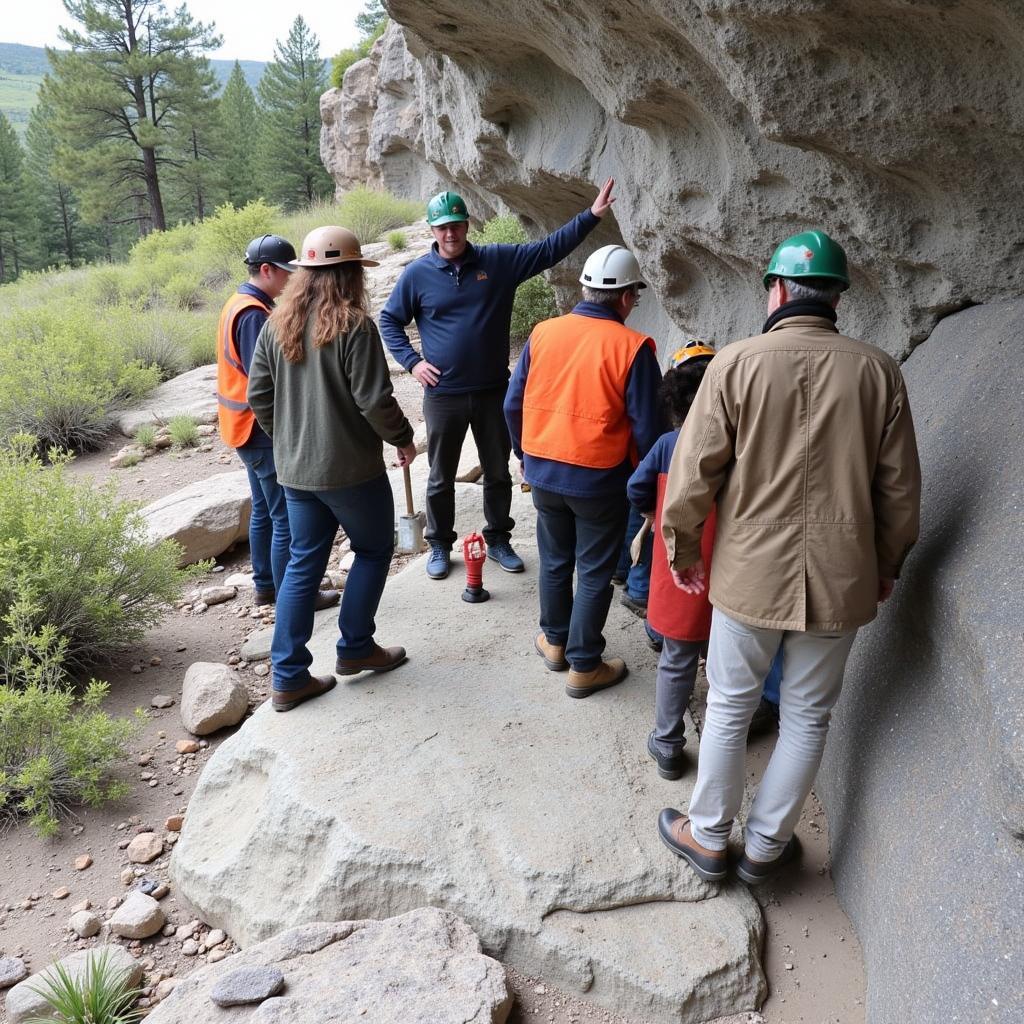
(335, 296)
(679, 388)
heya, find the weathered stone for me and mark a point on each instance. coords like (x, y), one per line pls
(186, 747)
(146, 846)
(423, 966)
(166, 987)
(508, 843)
(84, 924)
(189, 394)
(162, 700)
(24, 1003)
(12, 970)
(215, 937)
(212, 698)
(929, 729)
(174, 823)
(138, 917)
(247, 985)
(217, 595)
(205, 518)
(189, 947)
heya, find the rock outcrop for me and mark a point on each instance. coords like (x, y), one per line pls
(423, 966)
(189, 394)
(899, 128)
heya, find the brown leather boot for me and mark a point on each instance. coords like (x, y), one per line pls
(553, 655)
(285, 700)
(674, 829)
(608, 673)
(381, 659)
(325, 599)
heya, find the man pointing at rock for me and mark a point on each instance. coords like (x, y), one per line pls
(461, 296)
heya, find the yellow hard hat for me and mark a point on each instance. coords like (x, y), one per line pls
(323, 247)
(693, 349)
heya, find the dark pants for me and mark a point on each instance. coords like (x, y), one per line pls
(448, 417)
(582, 534)
(637, 577)
(269, 536)
(367, 514)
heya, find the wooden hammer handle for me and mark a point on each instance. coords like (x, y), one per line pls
(408, 489)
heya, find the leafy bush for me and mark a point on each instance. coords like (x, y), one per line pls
(156, 340)
(55, 751)
(224, 236)
(397, 241)
(82, 556)
(184, 431)
(535, 299)
(369, 214)
(145, 434)
(99, 995)
(347, 57)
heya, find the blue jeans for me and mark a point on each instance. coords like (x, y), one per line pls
(773, 681)
(366, 512)
(582, 534)
(637, 577)
(269, 535)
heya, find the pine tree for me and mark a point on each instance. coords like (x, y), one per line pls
(119, 93)
(290, 169)
(239, 130)
(16, 206)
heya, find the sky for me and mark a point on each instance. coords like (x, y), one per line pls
(249, 27)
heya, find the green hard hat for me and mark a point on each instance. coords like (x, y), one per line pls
(809, 254)
(446, 208)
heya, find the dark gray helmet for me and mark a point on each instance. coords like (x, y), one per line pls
(273, 249)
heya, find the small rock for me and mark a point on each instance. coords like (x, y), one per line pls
(148, 886)
(174, 822)
(788, 966)
(199, 607)
(185, 930)
(217, 595)
(160, 891)
(145, 847)
(216, 955)
(84, 924)
(83, 862)
(138, 917)
(189, 947)
(62, 893)
(262, 669)
(215, 938)
(84, 905)
(187, 747)
(127, 876)
(162, 700)
(165, 988)
(136, 669)
(156, 660)
(12, 970)
(247, 985)
(239, 579)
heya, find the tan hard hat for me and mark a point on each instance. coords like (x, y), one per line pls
(323, 247)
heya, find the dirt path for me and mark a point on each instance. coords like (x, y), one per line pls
(812, 958)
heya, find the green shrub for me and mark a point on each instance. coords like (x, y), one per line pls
(99, 995)
(535, 298)
(158, 337)
(56, 751)
(347, 57)
(369, 214)
(397, 241)
(130, 459)
(145, 434)
(224, 236)
(81, 555)
(184, 431)
(105, 287)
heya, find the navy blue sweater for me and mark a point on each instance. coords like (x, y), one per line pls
(463, 313)
(642, 489)
(248, 325)
(641, 408)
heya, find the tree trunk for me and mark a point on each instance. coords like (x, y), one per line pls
(65, 218)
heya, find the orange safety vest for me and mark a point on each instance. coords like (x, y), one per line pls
(574, 405)
(235, 417)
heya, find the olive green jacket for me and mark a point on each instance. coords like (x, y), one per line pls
(328, 414)
(804, 442)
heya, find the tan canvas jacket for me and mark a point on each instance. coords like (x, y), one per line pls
(804, 439)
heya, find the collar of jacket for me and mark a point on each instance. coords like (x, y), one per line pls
(248, 288)
(597, 311)
(468, 256)
(814, 310)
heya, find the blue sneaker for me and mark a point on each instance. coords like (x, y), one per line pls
(440, 561)
(505, 557)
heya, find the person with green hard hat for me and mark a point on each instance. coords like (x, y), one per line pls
(460, 296)
(807, 451)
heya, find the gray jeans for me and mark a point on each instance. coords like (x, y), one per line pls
(739, 657)
(677, 672)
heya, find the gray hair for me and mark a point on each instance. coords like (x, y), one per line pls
(606, 296)
(813, 289)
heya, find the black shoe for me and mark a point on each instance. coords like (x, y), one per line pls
(617, 580)
(263, 597)
(756, 872)
(639, 609)
(765, 720)
(670, 766)
(674, 830)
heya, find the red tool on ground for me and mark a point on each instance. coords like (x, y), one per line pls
(474, 553)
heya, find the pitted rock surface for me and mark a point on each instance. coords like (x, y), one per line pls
(190, 394)
(425, 966)
(212, 697)
(247, 985)
(466, 779)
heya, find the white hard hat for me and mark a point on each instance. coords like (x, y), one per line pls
(612, 266)
(323, 247)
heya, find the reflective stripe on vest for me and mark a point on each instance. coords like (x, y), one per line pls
(574, 405)
(234, 415)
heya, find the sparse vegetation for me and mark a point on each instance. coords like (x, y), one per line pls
(100, 995)
(397, 240)
(184, 431)
(145, 434)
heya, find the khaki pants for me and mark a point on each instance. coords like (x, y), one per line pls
(739, 657)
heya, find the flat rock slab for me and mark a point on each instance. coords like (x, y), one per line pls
(467, 780)
(425, 966)
(189, 394)
(247, 985)
(24, 1003)
(205, 518)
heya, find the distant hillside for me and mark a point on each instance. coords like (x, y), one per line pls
(22, 69)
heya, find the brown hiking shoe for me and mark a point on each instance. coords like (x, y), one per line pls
(382, 659)
(553, 655)
(285, 700)
(608, 673)
(325, 599)
(674, 829)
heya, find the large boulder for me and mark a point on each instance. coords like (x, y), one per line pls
(212, 697)
(205, 518)
(467, 780)
(23, 1001)
(924, 773)
(425, 966)
(190, 394)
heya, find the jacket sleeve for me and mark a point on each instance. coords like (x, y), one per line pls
(896, 488)
(514, 402)
(370, 385)
(260, 390)
(642, 400)
(247, 329)
(642, 488)
(702, 457)
(532, 258)
(399, 311)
